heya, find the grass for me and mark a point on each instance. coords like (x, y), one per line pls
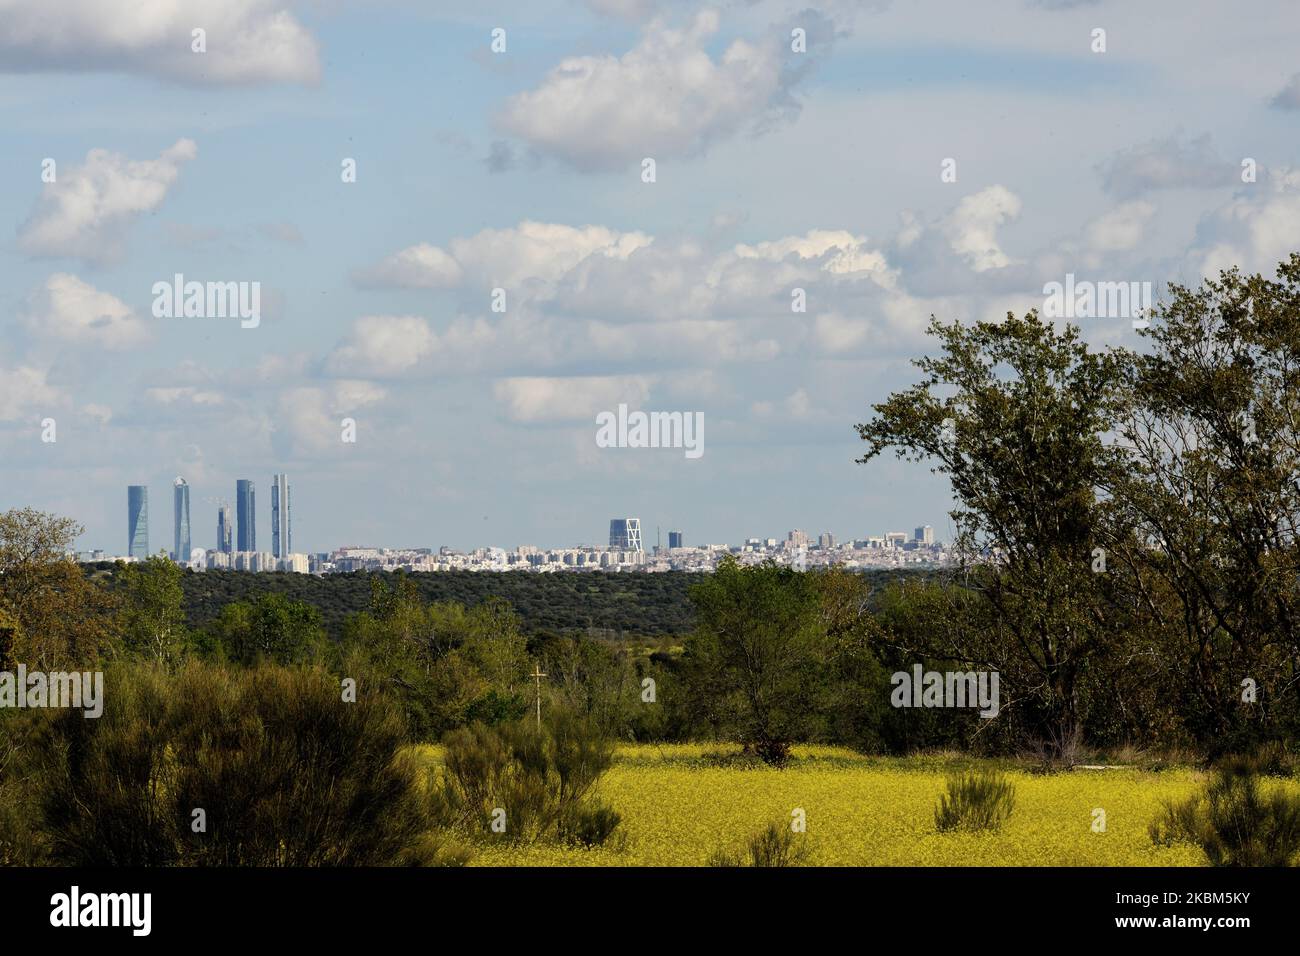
(682, 803)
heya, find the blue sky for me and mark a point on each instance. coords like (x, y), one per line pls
(775, 170)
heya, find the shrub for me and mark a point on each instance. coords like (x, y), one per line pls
(285, 772)
(20, 839)
(542, 778)
(775, 845)
(1233, 821)
(589, 826)
(977, 800)
(1275, 759)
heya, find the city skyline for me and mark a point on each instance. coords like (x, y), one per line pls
(446, 309)
(625, 534)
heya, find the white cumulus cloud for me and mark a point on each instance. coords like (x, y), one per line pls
(972, 228)
(247, 41)
(72, 311)
(539, 251)
(384, 345)
(665, 97)
(85, 212)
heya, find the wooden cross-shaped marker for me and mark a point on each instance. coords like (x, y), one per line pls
(537, 675)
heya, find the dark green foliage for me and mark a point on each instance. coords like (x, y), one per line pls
(1234, 821)
(775, 845)
(977, 800)
(599, 603)
(1013, 414)
(496, 708)
(153, 620)
(756, 663)
(542, 778)
(286, 772)
(446, 664)
(270, 628)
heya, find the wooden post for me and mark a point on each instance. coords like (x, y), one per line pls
(537, 675)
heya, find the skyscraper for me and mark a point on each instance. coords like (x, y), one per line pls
(625, 534)
(181, 516)
(225, 529)
(246, 515)
(674, 540)
(924, 535)
(137, 521)
(281, 532)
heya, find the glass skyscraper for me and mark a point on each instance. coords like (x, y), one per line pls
(181, 516)
(245, 515)
(137, 521)
(625, 534)
(281, 530)
(225, 529)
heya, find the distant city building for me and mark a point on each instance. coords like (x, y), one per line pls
(137, 521)
(625, 534)
(895, 539)
(675, 540)
(826, 541)
(253, 561)
(181, 520)
(281, 531)
(225, 529)
(246, 514)
(797, 539)
(924, 536)
(297, 563)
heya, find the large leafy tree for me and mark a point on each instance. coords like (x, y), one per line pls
(757, 661)
(51, 616)
(271, 628)
(153, 613)
(1014, 414)
(1211, 429)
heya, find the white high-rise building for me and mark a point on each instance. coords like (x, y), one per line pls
(181, 521)
(281, 529)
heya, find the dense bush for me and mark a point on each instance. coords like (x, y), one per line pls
(774, 845)
(977, 800)
(518, 782)
(20, 841)
(283, 770)
(1234, 821)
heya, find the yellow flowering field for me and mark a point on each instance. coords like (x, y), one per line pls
(679, 806)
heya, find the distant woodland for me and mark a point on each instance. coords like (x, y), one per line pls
(597, 603)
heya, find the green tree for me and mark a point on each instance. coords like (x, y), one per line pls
(757, 660)
(152, 613)
(1211, 432)
(1013, 413)
(271, 628)
(51, 616)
